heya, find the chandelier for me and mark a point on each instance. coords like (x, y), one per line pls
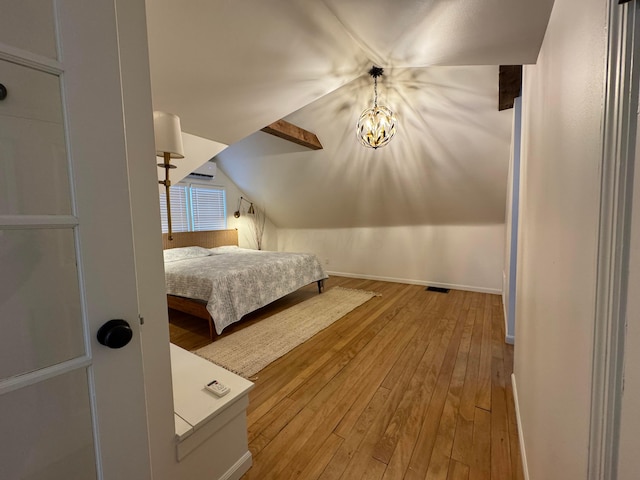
(377, 125)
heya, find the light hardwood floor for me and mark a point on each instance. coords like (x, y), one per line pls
(411, 385)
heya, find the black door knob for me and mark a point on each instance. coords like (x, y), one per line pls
(115, 333)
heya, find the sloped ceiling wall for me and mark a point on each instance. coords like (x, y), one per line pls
(228, 68)
(446, 165)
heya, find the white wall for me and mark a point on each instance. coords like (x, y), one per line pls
(197, 151)
(511, 226)
(467, 257)
(246, 237)
(563, 98)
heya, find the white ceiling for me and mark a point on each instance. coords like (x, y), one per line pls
(229, 67)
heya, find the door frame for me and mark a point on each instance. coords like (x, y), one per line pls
(618, 155)
(147, 239)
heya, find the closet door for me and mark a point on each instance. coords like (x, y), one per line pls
(70, 406)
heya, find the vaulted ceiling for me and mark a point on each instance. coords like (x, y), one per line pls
(229, 68)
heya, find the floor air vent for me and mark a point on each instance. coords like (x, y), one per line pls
(437, 289)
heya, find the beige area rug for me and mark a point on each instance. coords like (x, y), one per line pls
(249, 350)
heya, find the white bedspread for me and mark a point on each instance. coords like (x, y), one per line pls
(240, 281)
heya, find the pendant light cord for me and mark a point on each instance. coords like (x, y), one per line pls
(375, 92)
(375, 72)
(376, 126)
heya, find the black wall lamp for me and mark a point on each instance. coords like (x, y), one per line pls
(251, 210)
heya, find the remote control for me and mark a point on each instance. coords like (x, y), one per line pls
(217, 388)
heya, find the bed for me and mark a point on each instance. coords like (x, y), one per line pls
(209, 276)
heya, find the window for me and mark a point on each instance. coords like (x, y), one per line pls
(208, 210)
(194, 208)
(179, 209)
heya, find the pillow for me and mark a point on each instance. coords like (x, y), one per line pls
(224, 249)
(183, 253)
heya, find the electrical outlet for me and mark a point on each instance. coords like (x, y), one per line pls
(326, 261)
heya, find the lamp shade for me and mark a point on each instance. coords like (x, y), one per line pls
(168, 134)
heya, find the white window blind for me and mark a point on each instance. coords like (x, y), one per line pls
(179, 209)
(194, 208)
(208, 208)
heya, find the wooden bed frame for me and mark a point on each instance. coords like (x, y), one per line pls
(206, 239)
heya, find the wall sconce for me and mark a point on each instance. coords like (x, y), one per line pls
(168, 145)
(251, 211)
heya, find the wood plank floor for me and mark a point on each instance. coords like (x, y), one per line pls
(411, 385)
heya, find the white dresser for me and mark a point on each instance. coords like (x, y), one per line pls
(207, 426)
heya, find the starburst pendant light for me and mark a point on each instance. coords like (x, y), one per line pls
(377, 125)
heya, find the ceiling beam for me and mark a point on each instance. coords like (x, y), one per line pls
(293, 133)
(510, 85)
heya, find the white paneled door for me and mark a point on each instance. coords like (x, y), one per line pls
(70, 407)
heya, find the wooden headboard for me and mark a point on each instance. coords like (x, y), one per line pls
(207, 239)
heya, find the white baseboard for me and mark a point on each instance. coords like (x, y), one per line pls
(239, 468)
(523, 454)
(469, 288)
(506, 322)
